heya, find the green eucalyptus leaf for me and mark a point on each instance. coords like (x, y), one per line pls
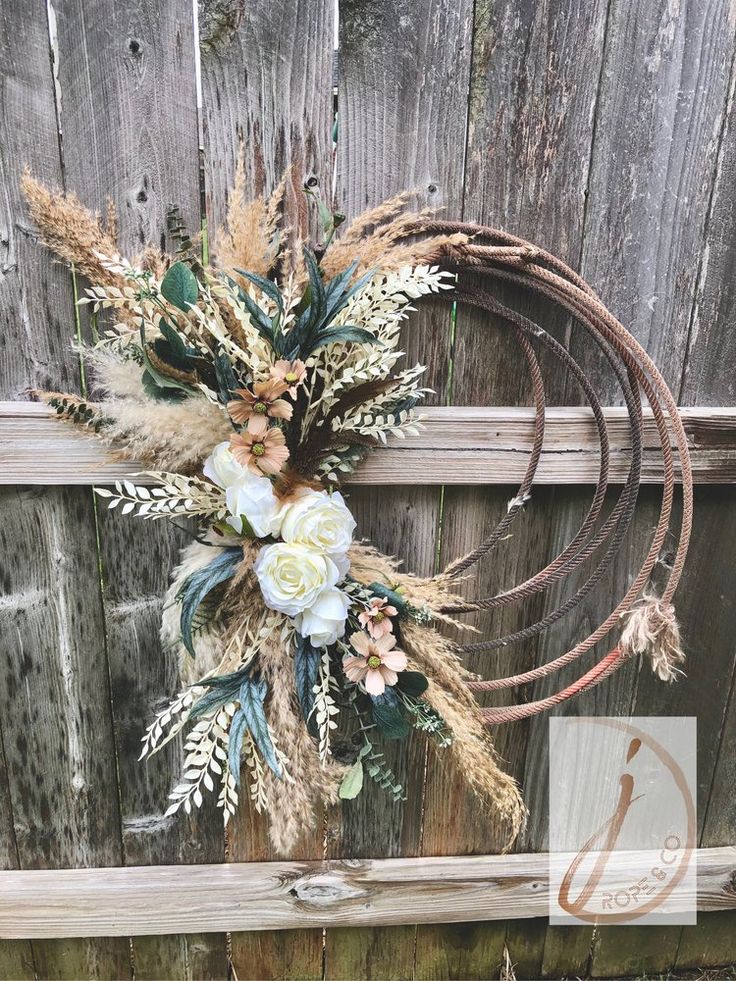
(352, 782)
(179, 286)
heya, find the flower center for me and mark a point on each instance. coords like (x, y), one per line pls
(290, 376)
(258, 449)
(374, 661)
(260, 407)
(378, 616)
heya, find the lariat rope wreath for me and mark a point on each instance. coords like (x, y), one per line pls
(252, 386)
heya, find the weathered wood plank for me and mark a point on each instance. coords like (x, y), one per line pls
(287, 895)
(708, 378)
(402, 99)
(658, 124)
(533, 89)
(129, 119)
(456, 445)
(54, 699)
(267, 89)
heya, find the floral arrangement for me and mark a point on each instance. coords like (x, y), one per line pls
(251, 386)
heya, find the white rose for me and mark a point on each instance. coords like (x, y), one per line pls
(246, 494)
(324, 621)
(322, 521)
(293, 575)
(221, 466)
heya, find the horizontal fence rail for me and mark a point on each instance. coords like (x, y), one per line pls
(456, 445)
(284, 895)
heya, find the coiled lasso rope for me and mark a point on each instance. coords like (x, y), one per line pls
(649, 622)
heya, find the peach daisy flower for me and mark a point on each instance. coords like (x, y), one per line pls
(377, 618)
(376, 664)
(257, 406)
(291, 373)
(260, 452)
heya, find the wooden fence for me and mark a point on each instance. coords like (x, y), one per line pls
(604, 130)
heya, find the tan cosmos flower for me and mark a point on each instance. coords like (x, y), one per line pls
(290, 373)
(256, 407)
(376, 664)
(260, 452)
(377, 618)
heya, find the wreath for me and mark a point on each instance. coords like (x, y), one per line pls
(251, 386)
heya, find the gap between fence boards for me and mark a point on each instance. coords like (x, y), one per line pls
(166, 899)
(456, 445)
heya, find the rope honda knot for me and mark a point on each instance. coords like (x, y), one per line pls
(652, 629)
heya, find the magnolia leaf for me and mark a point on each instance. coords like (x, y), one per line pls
(412, 683)
(252, 696)
(179, 286)
(388, 716)
(352, 782)
(201, 582)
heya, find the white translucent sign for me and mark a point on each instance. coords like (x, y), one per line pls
(622, 820)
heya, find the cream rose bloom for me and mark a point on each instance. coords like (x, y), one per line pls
(292, 576)
(247, 495)
(324, 621)
(322, 521)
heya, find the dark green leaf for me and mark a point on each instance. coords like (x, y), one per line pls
(179, 286)
(266, 286)
(388, 716)
(343, 335)
(412, 683)
(199, 583)
(306, 666)
(252, 696)
(238, 727)
(394, 598)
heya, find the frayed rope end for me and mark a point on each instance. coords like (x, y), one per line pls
(652, 629)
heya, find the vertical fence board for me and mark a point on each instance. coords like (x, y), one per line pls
(54, 699)
(129, 123)
(708, 378)
(267, 88)
(403, 89)
(658, 126)
(533, 89)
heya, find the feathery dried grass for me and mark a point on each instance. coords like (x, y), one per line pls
(250, 238)
(70, 230)
(368, 565)
(293, 806)
(471, 750)
(379, 239)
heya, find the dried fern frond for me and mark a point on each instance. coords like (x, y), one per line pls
(70, 230)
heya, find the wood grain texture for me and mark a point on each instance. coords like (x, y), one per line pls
(659, 127)
(129, 118)
(404, 69)
(54, 697)
(459, 445)
(267, 90)
(285, 895)
(533, 89)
